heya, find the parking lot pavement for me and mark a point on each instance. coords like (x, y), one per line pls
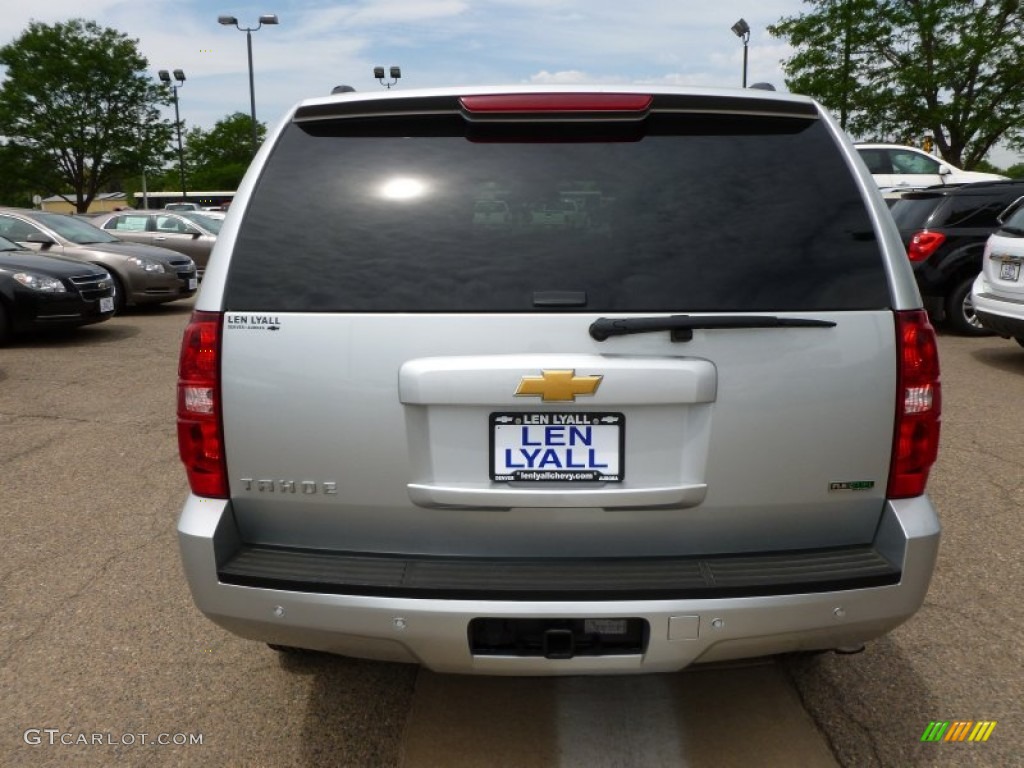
(726, 717)
(99, 639)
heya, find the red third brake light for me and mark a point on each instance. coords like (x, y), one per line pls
(918, 405)
(924, 243)
(558, 102)
(200, 434)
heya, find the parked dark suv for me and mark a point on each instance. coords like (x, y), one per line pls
(619, 429)
(944, 230)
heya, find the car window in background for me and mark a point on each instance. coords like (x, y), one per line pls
(912, 162)
(174, 224)
(877, 160)
(129, 223)
(910, 212)
(1014, 223)
(75, 230)
(972, 211)
(16, 229)
(206, 222)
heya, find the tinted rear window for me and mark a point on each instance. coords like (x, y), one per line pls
(681, 213)
(974, 211)
(911, 212)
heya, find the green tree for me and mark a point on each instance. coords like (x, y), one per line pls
(1015, 171)
(898, 70)
(21, 178)
(77, 100)
(217, 159)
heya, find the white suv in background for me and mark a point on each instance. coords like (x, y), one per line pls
(998, 292)
(894, 165)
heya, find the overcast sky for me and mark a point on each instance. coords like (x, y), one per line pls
(319, 44)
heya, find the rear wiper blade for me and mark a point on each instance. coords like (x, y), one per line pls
(682, 326)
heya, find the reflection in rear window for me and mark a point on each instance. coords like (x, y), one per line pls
(685, 213)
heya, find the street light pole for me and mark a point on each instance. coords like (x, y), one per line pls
(165, 78)
(742, 30)
(252, 89)
(267, 18)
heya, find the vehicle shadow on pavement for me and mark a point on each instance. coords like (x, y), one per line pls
(105, 333)
(356, 710)
(180, 307)
(869, 731)
(1009, 358)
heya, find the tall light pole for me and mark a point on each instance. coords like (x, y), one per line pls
(267, 18)
(165, 78)
(742, 30)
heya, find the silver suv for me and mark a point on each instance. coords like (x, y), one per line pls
(694, 426)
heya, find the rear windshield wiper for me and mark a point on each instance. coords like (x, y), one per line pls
(682, 326)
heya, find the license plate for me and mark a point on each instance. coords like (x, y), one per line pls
(107, 304)
(1009, 271)
(557, 447)
(192, 283)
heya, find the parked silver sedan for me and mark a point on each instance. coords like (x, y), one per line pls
(190, 232)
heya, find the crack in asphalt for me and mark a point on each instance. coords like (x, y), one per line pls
(835, 695)
(105, 422)
(29, 451)
(63, 604)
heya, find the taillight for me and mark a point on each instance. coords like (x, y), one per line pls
(924, 243)
(918, 405)
(200, 434)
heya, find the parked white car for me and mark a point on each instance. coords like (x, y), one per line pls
(998, 292)
(894, 165)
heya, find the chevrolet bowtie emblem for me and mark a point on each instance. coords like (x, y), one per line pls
(557, 386)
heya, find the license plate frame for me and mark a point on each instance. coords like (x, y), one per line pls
(1009, 271)
(560, 446)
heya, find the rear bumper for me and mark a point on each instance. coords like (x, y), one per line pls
(1001, 315)
(701, 624)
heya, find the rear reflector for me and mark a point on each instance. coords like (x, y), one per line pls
(200, 433)
(918, 406)
(557, 102)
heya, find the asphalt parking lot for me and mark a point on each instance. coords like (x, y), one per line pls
(100, 640)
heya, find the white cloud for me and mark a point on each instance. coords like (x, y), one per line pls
(407, 11)
(567, 77)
